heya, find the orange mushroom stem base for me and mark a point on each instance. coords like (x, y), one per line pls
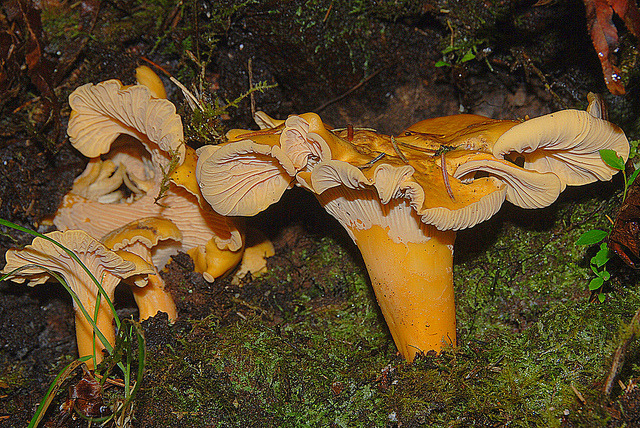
(410, 265)
(84, 330)
(413, 283)
(153, 296)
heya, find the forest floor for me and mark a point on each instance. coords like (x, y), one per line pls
(305, 344)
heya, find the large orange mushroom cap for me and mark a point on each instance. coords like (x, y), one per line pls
(102, 112)
(402, 198)
(247, 176)
(566, 143)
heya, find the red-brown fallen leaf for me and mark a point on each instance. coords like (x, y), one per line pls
(628, 11)
(604, 34)
(85, 398)
(624, 239)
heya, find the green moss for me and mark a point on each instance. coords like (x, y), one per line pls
(12, 377)
(318, 366)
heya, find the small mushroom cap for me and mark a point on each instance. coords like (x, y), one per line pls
(566, 143)
(142, 267)
(147, 231)
(104, 111)
(42, 255)
(212, 262)
(141, 237)
(147, 77)
(254, 259)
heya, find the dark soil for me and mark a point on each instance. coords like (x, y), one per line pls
(305, 345)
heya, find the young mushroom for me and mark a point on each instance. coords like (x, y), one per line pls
(402, 199)
(37, 261)
(258, 249)
(142, 136)
(142, 237)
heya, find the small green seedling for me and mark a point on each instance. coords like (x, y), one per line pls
(462, 50)
(598, 262)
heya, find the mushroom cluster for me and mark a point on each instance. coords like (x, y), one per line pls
(133, 139)
(136, 204)
(402, 198)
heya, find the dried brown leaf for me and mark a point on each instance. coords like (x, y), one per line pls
(624, 239)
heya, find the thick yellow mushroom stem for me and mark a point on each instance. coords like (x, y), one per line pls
(413, 283)
(410, 266)
(84, 329)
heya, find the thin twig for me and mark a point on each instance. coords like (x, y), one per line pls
(372, 161)
(192, 100)
(159, 67)
(335, 130)
(326, 15)
(578, 394)
(445, 176)
(339, 97)
(252, 97)
(394, 143)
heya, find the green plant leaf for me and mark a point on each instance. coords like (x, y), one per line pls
(601, 297)
(602, 256)
(450, 48)
(611, 158)
(442, 64)
(596, 283)
(468, 56)
(591, 237)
